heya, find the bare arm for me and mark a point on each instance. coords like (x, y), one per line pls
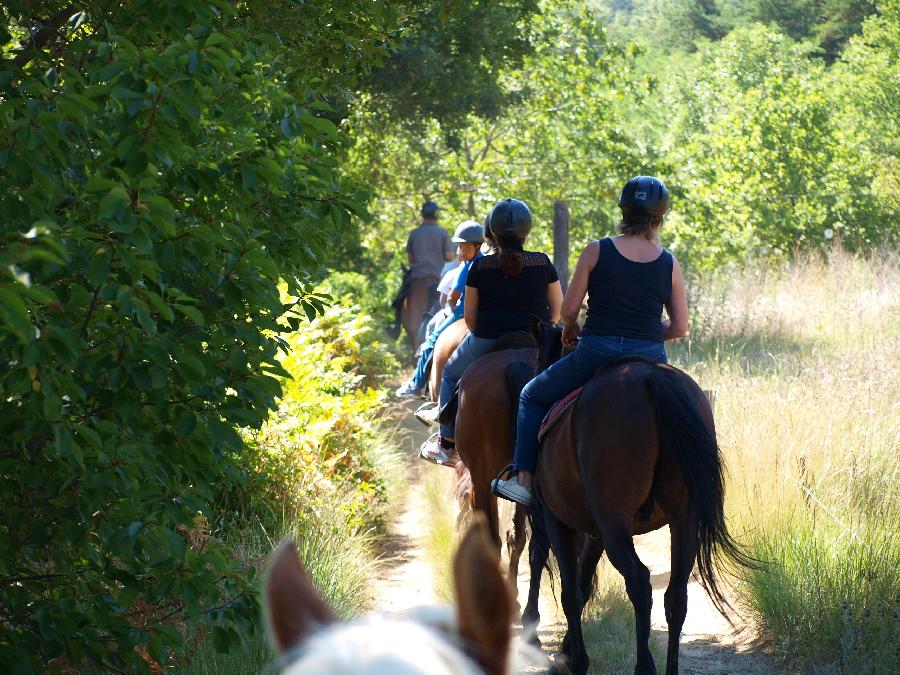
(554, 300)
(470, 308)
(578, 287)
(453, 298)
(676, 325)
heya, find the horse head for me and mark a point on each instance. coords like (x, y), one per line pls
(548, 337)
(475, 638)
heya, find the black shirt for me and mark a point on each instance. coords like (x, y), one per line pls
(506, 304)
(626, 298)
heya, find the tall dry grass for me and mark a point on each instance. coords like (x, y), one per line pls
(804, 360)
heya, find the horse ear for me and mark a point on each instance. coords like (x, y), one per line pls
(484, 603)
(538, 329)
(294, 606)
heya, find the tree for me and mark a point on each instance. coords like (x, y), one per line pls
(164, 165)
(446, 62)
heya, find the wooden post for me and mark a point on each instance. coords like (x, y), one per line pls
(561, 242)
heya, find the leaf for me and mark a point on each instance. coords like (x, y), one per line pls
(14, 314)
(113, 204)
(191, 313)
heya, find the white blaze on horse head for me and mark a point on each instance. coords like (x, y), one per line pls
(474, 639)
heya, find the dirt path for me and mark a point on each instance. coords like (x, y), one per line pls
(709, 646)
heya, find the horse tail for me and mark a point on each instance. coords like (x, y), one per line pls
(685, 434)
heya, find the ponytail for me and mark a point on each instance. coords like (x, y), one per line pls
(510, 256)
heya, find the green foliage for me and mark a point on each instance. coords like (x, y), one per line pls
(757, 159)
(447, 61)
(561, 138)
(313, 454)
(164, 166)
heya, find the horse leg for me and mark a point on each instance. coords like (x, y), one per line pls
(587, 566)
(617, 538)
(685, 545)
(564, 543)
(538, 552)
(515, 544)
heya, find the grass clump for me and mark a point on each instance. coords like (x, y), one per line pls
(803, 362)
(441, 536)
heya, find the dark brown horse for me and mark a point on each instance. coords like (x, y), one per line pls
(484, 440)
(637, 451)
(417, 301)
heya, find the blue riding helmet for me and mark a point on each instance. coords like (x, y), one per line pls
(644, 197)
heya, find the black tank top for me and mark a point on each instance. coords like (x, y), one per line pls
(626, 298)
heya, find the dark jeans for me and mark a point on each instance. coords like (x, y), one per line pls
(468, 350)
(565, 376)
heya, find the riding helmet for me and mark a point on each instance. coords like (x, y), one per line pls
(469, 232)
(429, 210)
(511, 219)
(644, 196)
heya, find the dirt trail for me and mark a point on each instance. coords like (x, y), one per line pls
(709, 646)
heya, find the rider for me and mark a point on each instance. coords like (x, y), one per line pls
(469, 235)
(503, 291)
(427, 248)
(628, 279)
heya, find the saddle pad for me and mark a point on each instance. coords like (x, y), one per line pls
(557, 411)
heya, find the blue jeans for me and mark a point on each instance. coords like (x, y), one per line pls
(418, 378)
(469, 349)
(565, 376)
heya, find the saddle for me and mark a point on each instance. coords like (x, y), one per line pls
(517, 374)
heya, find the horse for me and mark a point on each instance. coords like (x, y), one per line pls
(485, 431)
(635, 452)
(475, 638)
(418, 299)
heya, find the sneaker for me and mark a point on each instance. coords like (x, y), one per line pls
(408, 390)
(510, 489)
(434, 451)
(428, 413)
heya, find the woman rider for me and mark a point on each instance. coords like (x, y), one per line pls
(628, 280)
(503, 290)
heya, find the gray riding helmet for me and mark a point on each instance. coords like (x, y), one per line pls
(468, 232)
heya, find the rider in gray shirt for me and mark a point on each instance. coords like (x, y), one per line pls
(428, 246)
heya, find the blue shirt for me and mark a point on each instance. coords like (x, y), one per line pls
(460, 286)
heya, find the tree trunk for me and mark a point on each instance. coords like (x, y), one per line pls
(561, 242)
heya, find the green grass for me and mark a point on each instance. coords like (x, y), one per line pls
(340, 561)
(804, 363)
(441, 536)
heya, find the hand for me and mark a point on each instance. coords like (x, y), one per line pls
(570, 334)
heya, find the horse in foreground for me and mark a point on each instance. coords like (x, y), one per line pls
(635, 452)
(473, 639)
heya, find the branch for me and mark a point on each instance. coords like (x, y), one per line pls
(43, 35)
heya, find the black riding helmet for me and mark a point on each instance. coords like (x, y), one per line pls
(510, 219)
(644, 197)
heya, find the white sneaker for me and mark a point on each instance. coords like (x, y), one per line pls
(408, 390)
(428, 413)
(432, 451)
(510, 489)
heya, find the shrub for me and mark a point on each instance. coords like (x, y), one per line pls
(163, 166)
